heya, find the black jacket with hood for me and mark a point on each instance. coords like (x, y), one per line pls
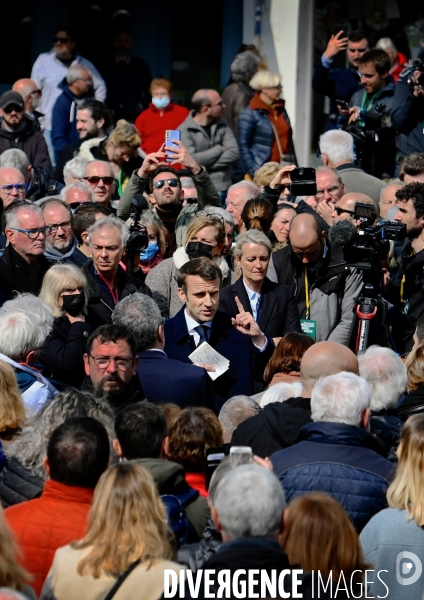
(29, 140)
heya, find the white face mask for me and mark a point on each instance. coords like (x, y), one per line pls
(161, 102)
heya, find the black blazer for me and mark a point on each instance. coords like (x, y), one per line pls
(166, 380)
(278, 313)
(247, 364)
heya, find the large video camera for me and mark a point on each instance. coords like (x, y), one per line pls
(367, 248)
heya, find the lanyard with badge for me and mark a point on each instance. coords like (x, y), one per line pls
(308, 326)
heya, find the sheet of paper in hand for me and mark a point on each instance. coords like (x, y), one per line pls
(206, 355)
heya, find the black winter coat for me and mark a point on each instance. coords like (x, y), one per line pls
(17, 484)
(387, 425)
(274, 428)
(100, 304)
(195, 555)
(18, 275)
(29, 140)
(64, 350)
(413, 404)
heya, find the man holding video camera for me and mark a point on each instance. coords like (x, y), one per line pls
(408, 110)
(407, 288)
(370, 110)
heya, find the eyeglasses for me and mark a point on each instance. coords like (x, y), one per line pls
(121, 362)
(32, 233)
(171, 182)
(85, 79)
(96, 179)
(214, 217)
(340, 211)
(9, 187)
(64, 226)
(220, 103)
(332, 191)
(61, 40)
(38, 92)
(13, 108)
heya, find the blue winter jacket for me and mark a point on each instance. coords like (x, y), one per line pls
(341, 460)
(256, 138)
(64, 118)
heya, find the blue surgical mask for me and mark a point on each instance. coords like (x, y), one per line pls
(161, 102)
(150, 252)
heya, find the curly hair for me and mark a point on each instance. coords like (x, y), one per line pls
(191, 433)
(31, 446)
(414, 192)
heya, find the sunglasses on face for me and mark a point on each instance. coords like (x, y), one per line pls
(171, 182)
(340, 211)
(96, 179)
(61, 40)
(13, 108)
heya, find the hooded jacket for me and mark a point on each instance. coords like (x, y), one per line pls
(217, 152)
(332, 292)
(170, 479)
(30, 141)
(64, 117)
(342, 460)
(407, 117)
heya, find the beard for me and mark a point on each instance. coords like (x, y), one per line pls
(116, 395)
(414, 232)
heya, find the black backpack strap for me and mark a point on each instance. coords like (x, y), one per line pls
(121, 580)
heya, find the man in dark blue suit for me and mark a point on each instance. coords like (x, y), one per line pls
(163, 379)
(238, 339)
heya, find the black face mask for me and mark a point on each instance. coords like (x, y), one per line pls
(73, 303)
(199, 250)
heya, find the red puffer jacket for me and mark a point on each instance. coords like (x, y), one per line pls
(44, 524)
(153, 122)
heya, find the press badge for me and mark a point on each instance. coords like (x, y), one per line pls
(309, 328)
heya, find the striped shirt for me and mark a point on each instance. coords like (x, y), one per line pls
(48, 72)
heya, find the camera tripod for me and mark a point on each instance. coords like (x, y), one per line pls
(370, 324)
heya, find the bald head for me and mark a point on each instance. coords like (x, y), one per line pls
(388, 198)
(306, 238)
(208, 106)
(323, 359)
(29, 91)
(345, 207)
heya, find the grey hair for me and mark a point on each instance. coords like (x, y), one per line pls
(243, 65)
(31, 446)
(236, 410)
(340, 398)
(40, 310)
(110, 221)
(220, 212)
(15, 159)
(227, 464)
(75, 72)
(187, 183)
(75, 167)
(253, 236)
(279, 392)
(11, 214)
(250, 502)
(20, 333)
(77, 185)
(140, 315)
(386, 374)
(386, 43)
(337, 145)
(251, 189)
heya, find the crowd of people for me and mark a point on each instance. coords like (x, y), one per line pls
(185, 381)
